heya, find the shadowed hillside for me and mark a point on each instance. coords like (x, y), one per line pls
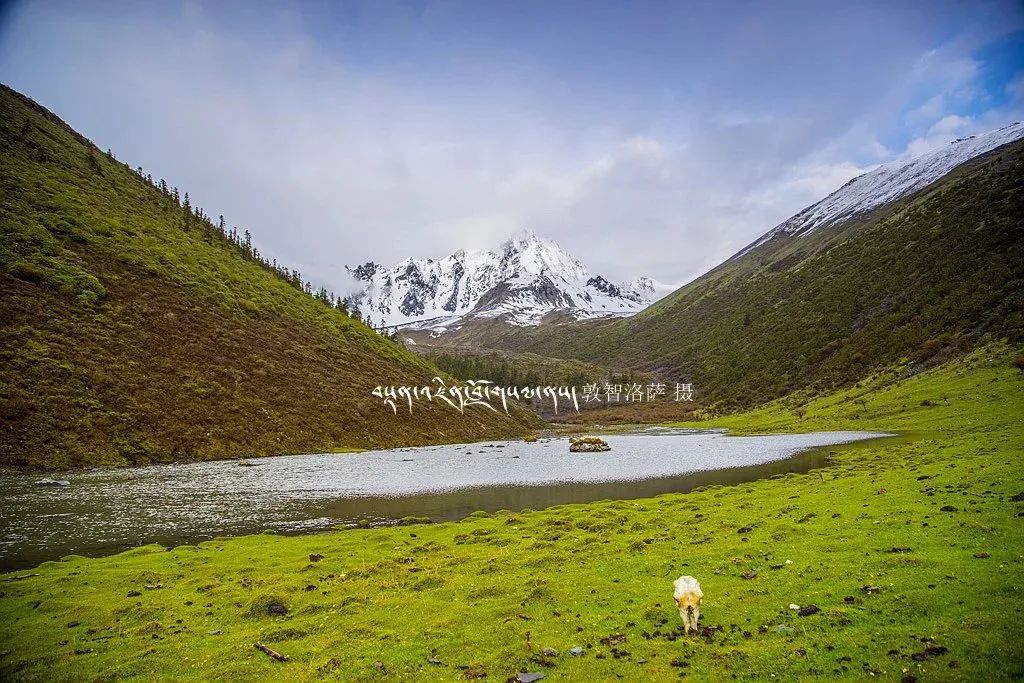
(132, 330)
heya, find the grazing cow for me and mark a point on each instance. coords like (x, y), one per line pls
(688, 597)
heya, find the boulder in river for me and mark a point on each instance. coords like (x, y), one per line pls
(588, 444)
(46, 481)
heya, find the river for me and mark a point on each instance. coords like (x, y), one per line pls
(105, 511)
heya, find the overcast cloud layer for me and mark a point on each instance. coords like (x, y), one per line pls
(646, 138)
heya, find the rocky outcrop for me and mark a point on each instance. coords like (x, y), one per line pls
(588, 444)
(51, 483)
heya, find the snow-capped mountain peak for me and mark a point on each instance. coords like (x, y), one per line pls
(533, 255)
(889, 182)
(522, 280)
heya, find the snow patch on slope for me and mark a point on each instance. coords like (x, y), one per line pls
(889, 182)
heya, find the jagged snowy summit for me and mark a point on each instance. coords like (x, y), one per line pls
(523, 279)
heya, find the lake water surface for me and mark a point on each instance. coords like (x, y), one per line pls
(110, 510)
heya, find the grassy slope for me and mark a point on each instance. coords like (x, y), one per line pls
(469, 592)
(129, 333)
(924, 278)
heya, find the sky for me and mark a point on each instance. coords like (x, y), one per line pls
(646, 138)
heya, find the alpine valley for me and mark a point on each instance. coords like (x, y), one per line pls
(845, 486)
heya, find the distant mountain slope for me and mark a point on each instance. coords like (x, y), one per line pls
(889, 182)
(918, 278)
(132, 331)
(520, 282)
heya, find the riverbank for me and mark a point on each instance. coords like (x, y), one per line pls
(318, 492)
(904, 557)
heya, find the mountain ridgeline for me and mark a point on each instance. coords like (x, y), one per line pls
(521, 282)
(136, 330)
(930, 269)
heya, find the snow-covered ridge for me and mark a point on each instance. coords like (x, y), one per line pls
(523, 279)
(889, 182)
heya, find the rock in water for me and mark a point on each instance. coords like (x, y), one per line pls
(46, 481)
(588, 444)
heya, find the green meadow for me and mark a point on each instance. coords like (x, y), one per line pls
(903, 556)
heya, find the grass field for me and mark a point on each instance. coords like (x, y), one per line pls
(904, 555)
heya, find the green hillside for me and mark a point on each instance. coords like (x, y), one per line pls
(134, 330)
(922, 279)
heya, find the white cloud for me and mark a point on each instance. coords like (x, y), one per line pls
(331, 161)
(950, 125)
(927, 112)
(1015, 89)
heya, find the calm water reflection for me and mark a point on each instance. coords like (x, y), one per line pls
(106, 511)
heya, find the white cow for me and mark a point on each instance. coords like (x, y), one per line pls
(688, 597)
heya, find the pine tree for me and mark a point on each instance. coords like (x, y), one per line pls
(94, 163)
